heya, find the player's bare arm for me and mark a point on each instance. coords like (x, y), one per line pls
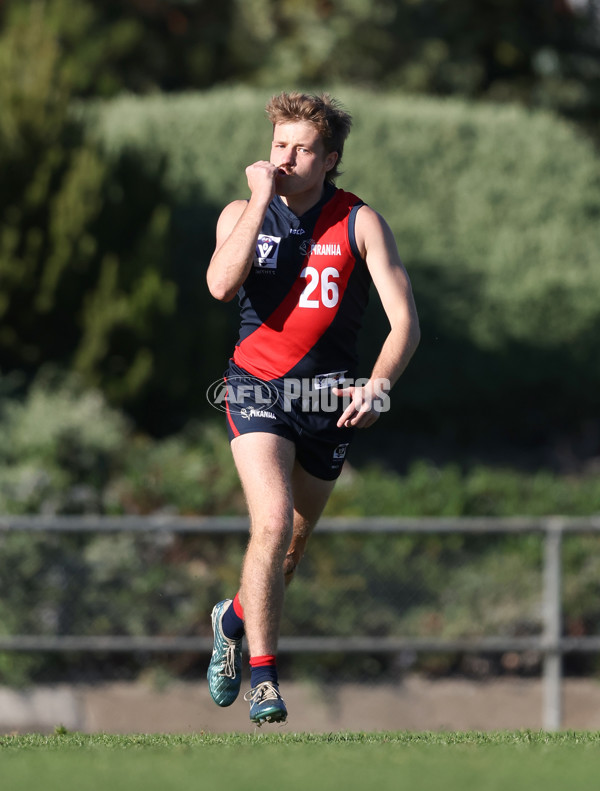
(237, 233)
(378, 248)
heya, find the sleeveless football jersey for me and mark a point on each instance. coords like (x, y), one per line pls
(302, 304)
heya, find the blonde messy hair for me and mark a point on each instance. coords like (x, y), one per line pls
(322, 111)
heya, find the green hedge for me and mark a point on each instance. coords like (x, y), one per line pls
(447, 586)
(106, 233)
(495, 210)
(66, 451)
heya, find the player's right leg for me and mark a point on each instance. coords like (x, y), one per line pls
(265, 462)
(263, 451)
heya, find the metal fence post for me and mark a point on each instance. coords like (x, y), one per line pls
(552, 671)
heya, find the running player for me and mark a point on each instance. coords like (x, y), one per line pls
(300, 254)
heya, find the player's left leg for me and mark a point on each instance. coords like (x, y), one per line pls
(310, 498)
(320, 454)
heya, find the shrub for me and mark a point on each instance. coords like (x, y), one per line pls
(66, 450)
(83, 262)
(61, 446)
(495, 210)
(188, 473)
(428, 490)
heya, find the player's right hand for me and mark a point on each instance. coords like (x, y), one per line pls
(261, 179)
(366, 403)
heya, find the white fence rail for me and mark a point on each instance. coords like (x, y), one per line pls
(550, 643)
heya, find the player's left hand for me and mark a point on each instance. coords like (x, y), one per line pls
(366, 404)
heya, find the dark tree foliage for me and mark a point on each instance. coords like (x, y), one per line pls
(541, 52)
(84, 280)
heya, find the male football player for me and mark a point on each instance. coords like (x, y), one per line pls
(301, 255)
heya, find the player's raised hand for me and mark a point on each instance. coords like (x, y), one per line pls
(367, 402)
(261, 179)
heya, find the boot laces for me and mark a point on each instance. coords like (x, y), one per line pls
(229, 660)
(266, 690)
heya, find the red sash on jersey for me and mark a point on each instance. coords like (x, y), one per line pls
(292, 330)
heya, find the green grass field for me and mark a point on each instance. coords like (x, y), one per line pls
(503, 761)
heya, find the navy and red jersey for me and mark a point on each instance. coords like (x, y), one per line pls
(302, 304)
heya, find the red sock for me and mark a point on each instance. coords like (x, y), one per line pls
(232, 622)
(237, 606)
(263, 661)
(263, 668)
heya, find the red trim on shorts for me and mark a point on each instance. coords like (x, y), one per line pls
(232, 425)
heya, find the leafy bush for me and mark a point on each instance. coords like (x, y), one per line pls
(95, 584)
(495, 210)
(427, 490)
(67, 451)
(436, 585)
(83, 261)
(189, 473)
(60, 448)
(489, 208)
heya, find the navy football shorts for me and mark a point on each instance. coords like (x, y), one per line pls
(307, 419)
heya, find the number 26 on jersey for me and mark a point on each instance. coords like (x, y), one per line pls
(319, 284)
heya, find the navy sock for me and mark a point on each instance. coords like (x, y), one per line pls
(232, 624)
(263, 672)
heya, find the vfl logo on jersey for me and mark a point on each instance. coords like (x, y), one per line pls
(267, 250)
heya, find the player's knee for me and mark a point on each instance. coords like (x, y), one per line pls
(272, 535)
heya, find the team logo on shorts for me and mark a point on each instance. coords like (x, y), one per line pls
(250, 413)
(267, 250)
(339, 454)
(243, 395)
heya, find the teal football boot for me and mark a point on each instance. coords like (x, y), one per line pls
(266, 704)
(225, 668)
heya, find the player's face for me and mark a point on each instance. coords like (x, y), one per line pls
(301, 159)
